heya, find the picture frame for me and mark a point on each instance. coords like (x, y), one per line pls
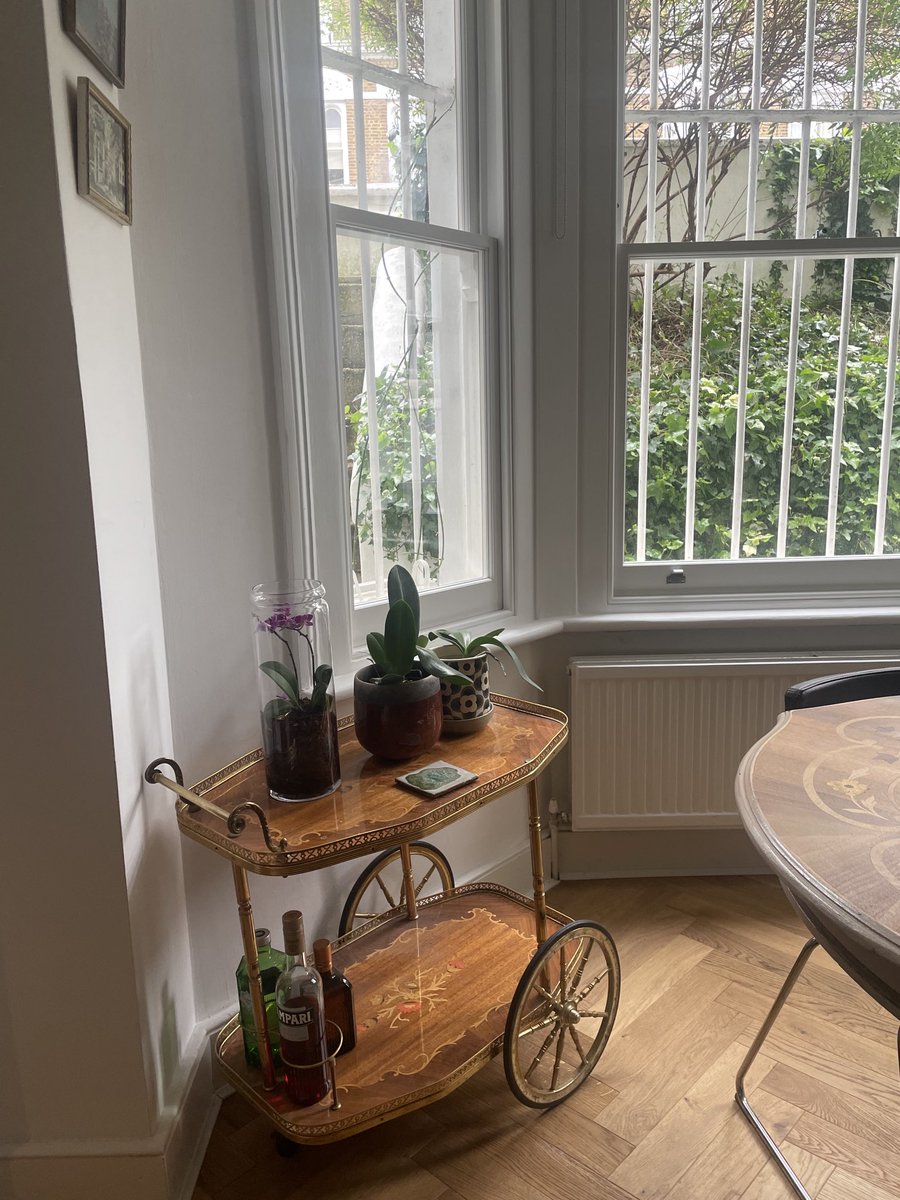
(103, 152)
(97, 27)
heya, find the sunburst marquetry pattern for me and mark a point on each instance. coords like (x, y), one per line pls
(701, 962)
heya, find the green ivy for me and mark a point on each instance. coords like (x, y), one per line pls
(829, 190)
(392, 394)
(717, 424)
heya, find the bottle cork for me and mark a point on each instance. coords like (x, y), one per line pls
(322, 954)
(292, 926)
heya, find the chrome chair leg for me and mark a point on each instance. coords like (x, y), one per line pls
(741, 1095)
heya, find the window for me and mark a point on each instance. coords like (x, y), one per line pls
(336, 144)
(760, 293)
(384, 124)
(416, 298)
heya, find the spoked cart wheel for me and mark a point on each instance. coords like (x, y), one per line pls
(562, 1014)
(380, 887)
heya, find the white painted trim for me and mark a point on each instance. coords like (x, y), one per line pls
(399, 229)
(673, 872)
(175, 1149)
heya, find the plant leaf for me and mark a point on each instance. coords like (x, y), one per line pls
(477, 643)
(284, 678)
(400, 633)
(376, 647)
(321, 680)
(276, 708)
(516, 661)
(436, 666)
(456, 637)
(401, 586)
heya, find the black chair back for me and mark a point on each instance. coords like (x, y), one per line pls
(840, 689)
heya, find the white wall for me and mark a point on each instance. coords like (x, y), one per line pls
(206, 358)
(68, 995)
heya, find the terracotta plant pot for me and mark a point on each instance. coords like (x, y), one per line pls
(397, 720)
(466, 709)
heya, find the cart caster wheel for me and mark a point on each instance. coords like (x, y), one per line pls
(284, 1147)
(380, 887)
(561, 1014)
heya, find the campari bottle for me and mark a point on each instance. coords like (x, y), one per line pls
(301, 1020)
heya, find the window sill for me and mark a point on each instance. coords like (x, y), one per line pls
(532, 631)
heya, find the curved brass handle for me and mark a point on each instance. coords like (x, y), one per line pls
(234, 820)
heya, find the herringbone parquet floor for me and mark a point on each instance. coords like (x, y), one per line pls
(701, 962)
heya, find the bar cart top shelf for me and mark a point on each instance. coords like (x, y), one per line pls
(370, 812)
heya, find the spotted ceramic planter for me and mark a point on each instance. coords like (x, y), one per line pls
(466, 708)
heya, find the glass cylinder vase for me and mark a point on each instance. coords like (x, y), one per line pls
(296, 689)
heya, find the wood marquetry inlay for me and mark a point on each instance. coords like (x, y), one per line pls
(824, 789)
(431, 1002)
(369, 812)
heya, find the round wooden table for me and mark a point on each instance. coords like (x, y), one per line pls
(819, 796)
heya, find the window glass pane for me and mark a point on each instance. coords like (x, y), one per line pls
(404, 147)
(414, 37)
(782, 69)
(882, 58)
(761, 367)
(834, 59)
(414, 410)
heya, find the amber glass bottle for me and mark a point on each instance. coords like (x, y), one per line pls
(301, 1020)
(338, 993)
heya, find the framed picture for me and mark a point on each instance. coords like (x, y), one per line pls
(97, 27)
(104, 152)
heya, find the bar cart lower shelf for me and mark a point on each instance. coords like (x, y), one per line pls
(431, 1005)
(442, 983)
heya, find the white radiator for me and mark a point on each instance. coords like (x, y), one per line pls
(656, 742)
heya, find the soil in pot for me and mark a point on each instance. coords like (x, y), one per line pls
(301, 751)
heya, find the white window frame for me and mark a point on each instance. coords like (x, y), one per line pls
(606, 581)
(301, 230)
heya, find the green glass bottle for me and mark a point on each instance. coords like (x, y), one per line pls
(271, 964)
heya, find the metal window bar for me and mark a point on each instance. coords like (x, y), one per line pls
(887, 424)
(740, 434)
(847, 296)
(647, 329)
(696, 332)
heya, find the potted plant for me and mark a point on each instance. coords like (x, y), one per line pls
(296, 690)
(467, 706)
(397, 698)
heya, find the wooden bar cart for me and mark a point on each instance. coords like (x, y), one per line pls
(442, 982)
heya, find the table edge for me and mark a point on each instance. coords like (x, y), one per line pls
(789, 869)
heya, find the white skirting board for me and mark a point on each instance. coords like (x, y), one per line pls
(621, 853)
(162, 1167)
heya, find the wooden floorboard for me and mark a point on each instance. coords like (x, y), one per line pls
(701, 960)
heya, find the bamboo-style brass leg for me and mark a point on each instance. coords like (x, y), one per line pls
(537, 864)
(741, 1095)
(409, 883)
(248, 935)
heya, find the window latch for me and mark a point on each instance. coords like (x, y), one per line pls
(676, 576)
